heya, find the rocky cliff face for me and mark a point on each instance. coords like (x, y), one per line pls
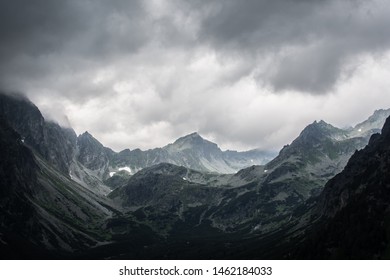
(372, 125)
(16, 159)
(366, 172)
(319, 152)
(298, 174)
(82, 158)
(93, 155)
(43, 213)
(354, 208)
(55, 144)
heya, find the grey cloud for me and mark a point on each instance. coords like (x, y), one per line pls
(48, 39)
(45, 41)
(252, 24)
(339, 31)
(44, 26)
(307, 71)
(28, 27)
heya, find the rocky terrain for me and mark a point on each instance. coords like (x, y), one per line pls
(44, 212)
(354, 208)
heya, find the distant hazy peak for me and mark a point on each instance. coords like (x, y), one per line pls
(86, 134)
(190, 140)
(190, 137)
(379, 115)
(320, 127)
(373, 123)
(87, 139)
(193, 134)
(381, 112)
(321, 124)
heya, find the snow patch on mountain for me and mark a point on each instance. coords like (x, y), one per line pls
(126, 168)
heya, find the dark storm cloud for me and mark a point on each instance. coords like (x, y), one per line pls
(43, 26)
(312, 41)
(254, 23)
(31, 27)
(309, 43)
(45, 41)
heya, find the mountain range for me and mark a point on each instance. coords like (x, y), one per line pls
(68, 196)
(191, 151)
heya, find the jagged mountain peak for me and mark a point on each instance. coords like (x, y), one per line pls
(88, 142)
(86, 134)
(371, 125)
(319, 125)
(191, 141)
(92, 153)
(319, 131)
(190, 138)
(320, 149)
(193, 135)
(87, 138)
(361, 162)
(379, 114)
(320, 122)
(354, 206)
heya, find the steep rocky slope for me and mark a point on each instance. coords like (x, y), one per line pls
(354, 208)
(43, 213)
(93, 155)
(56, 144)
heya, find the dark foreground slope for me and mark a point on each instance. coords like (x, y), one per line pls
(354, 208)
(42, 212)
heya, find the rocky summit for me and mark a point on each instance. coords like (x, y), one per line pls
(191, 151)
(325, 195)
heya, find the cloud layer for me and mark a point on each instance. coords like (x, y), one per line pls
(245, 74)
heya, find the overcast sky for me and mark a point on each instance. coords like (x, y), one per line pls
(244, 74)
